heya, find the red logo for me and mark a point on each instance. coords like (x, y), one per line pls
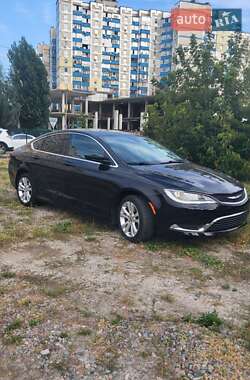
(188, 20)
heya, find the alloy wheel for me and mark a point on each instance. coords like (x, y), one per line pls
(24, 190)
(129, 219)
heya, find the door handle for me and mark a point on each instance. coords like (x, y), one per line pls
(35, 157)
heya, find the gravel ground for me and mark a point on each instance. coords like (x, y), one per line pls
(78, 302)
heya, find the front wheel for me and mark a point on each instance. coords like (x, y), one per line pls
(136, 220)
(25, 190)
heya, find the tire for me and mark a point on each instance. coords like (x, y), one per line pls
(3, 148)
(142, 227)
(25, 190)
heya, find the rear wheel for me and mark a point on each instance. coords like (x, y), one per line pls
(25, 190)
(3, 148)
(136, 220)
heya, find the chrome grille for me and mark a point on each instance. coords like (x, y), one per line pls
(233, 198)
(228, 222)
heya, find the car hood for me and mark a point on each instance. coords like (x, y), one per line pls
(189, 177)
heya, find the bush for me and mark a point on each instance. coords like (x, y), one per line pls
(202, 110)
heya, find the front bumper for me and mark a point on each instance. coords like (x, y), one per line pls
(196, 221)
(222, 224)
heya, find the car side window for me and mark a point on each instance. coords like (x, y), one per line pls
(19, 137)
(57, 144)
(86, 148)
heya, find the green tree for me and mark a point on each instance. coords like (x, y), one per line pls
(9, 108)
(200, 107)
(80, 122)
(29, 78)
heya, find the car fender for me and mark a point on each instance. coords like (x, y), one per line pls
(23, 168)
(152, 196)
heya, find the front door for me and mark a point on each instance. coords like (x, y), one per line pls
(90, 173)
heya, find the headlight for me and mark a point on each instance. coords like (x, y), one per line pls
(188, 198)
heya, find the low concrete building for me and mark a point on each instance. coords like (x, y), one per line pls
(100, 111)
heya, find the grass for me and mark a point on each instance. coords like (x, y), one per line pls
(14, 325)
(85, 313)
(205, 259)
(7, 274)
(210, 320)
(197, 274)
(13, 232)
(19, 224)
(166, 297)
(12, 339)
(84, 331)
(34, 322)
(245, 334)
(24, 302)
(156, 246)
(61, 366)
(64, 335)
(64, 226)
(2, 290)
(116, 320)
(54, 290)
(225, 286)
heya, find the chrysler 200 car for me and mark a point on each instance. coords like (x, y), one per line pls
(135, 181)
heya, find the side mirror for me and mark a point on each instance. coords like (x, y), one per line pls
(105, 163)
(103, 160)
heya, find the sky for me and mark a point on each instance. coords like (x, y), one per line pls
(33, 18)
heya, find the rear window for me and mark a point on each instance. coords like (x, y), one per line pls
(56, 144)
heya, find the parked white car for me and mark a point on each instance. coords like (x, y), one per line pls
(8, 142)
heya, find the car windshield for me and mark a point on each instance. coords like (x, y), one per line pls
(137, 150)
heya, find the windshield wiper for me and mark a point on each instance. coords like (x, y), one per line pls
(172, 162)
(154, 163)
(139, 163)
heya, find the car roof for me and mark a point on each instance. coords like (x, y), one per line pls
(22, 134)
(91, 132)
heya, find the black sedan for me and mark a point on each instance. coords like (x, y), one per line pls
(135, 181)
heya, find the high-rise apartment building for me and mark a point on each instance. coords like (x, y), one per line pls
(221, 40)
(101, 47)
(106, 48)
(53, 58)
(43, 52)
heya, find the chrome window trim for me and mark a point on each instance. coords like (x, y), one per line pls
(74, 158)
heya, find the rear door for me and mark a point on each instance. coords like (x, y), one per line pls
(48, 169)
